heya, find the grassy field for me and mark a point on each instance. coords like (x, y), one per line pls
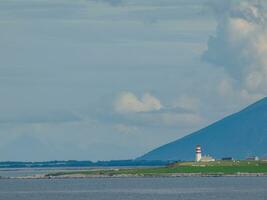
(217, 167)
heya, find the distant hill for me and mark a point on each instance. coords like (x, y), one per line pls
(240, 135)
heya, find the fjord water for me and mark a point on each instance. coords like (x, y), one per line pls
(191, 188)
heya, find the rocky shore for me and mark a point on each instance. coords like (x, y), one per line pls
(82, 176)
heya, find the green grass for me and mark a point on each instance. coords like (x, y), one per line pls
(218, 167)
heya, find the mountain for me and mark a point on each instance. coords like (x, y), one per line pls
(239, 135)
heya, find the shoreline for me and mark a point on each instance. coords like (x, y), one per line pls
(179, 169)
(173, 175)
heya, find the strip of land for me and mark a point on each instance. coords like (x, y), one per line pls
(179, 169)
(217, 168)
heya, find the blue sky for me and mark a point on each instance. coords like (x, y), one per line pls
(113, 79)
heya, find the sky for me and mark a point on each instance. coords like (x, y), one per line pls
(114, 79)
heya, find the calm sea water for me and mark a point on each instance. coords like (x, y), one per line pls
(188, 188)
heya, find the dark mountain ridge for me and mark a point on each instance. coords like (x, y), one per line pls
(239, 135)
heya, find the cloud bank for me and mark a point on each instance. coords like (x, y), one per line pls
(240, 43)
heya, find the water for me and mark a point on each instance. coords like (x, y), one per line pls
(188, 188)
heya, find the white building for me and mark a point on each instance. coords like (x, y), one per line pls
(200, 158)
(207, 159)
(198, 153)
(255, 158)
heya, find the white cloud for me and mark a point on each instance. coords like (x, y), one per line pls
(240, 44)
(132, 112)
(127, 102)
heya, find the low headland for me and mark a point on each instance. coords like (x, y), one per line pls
(178, 169)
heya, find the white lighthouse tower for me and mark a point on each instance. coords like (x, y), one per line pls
(198, 153)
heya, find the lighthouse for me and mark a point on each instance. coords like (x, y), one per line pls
(198, 153)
